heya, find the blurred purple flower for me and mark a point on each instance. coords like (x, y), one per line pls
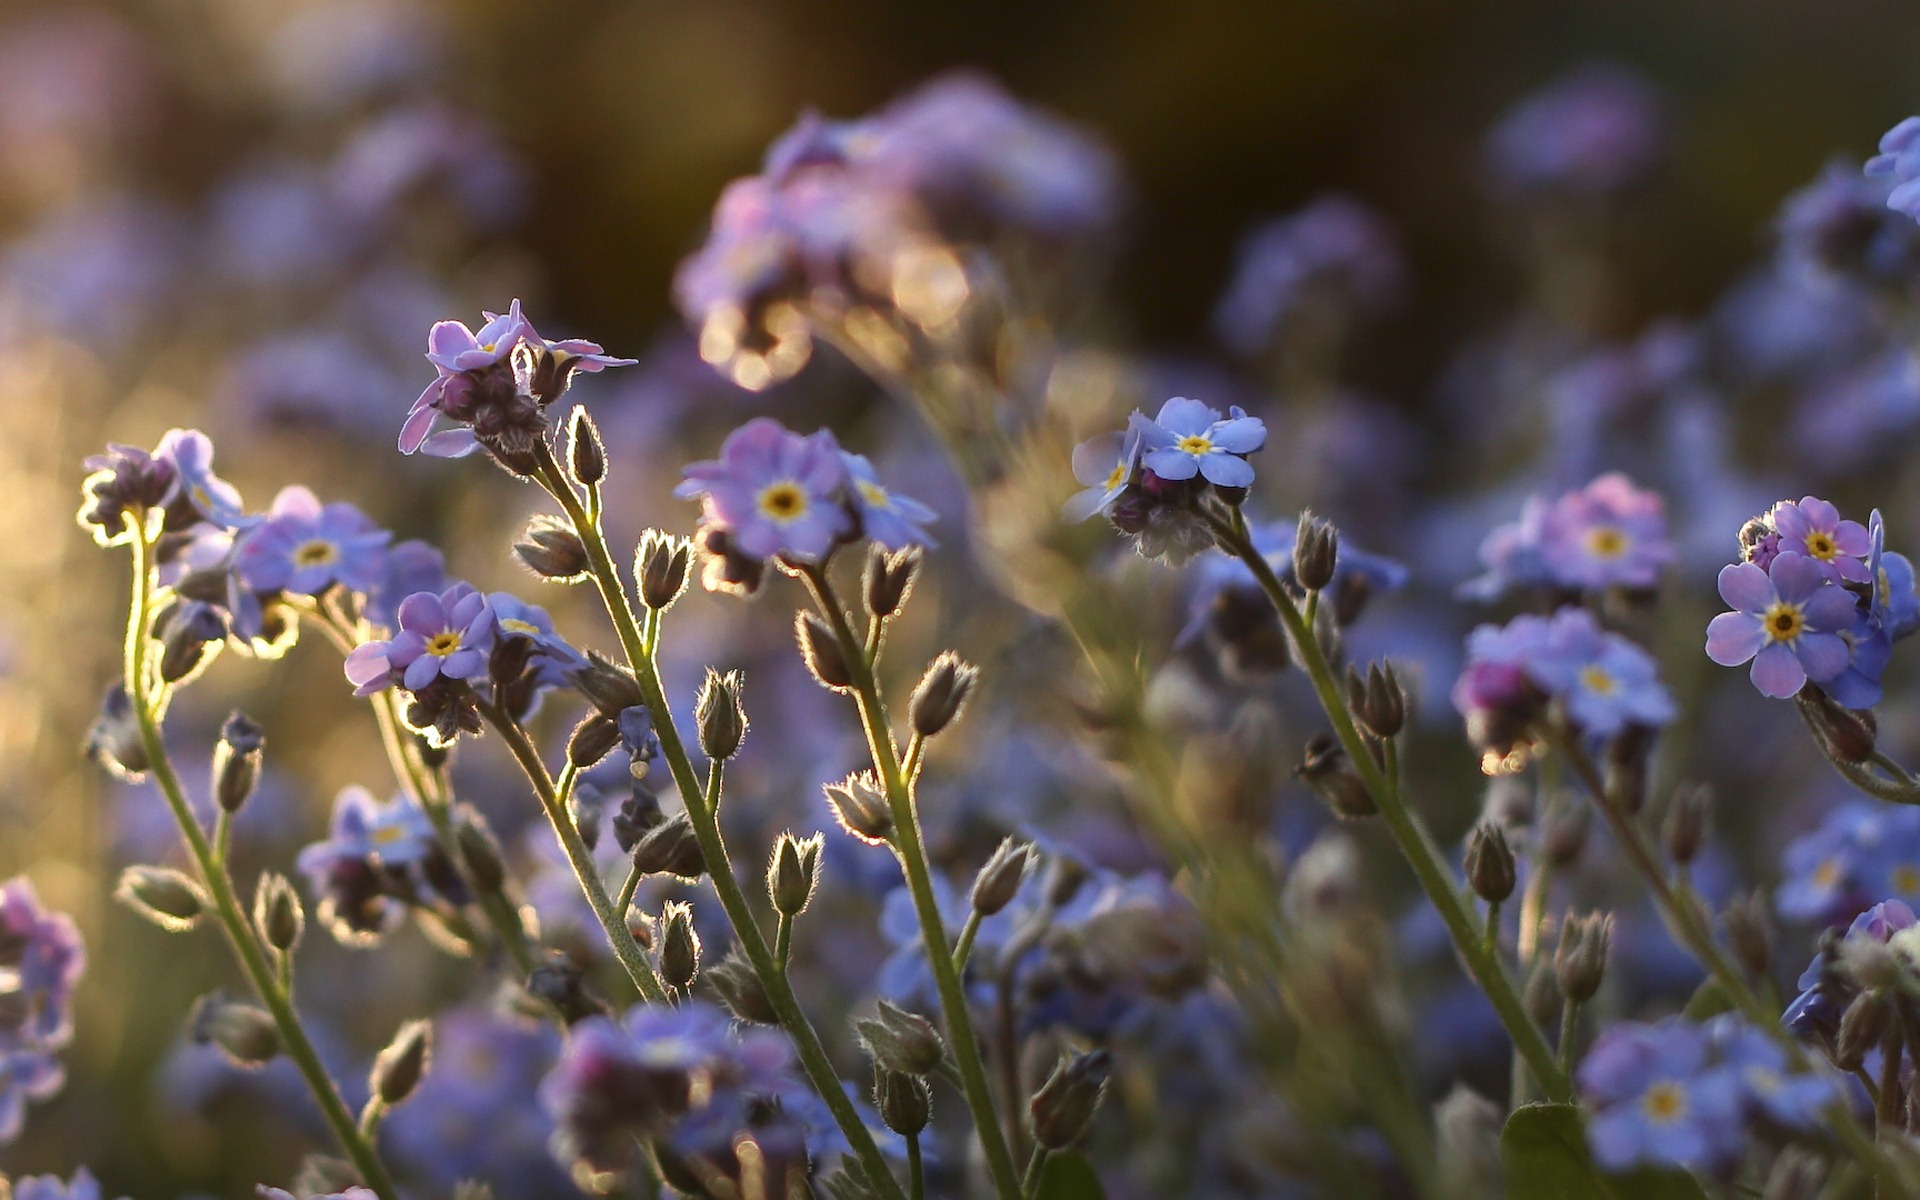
(887, 517)
(1659, 1099)
(1594, 132)
(1899, 160)
(1335, 252)
(774, 491)
(305, 548)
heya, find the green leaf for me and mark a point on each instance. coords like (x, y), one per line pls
(1068, 1176)
(1544, 1151)
(1708, 1000)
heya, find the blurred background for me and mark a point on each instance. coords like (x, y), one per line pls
(243, 215)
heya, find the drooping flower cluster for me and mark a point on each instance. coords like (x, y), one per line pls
(176, 478)
(41, 959)
(1861, 851)
(774, 494)
(1853, 993)
(378, 862)
(1682, 1094)
(1153, 480)
(1841, 226)
(1335, 255)
(687, 1082)
(1816, 599)
(1609, 534)
(1604, 684)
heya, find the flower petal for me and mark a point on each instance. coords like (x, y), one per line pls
(1733, 638)
(1777, 673)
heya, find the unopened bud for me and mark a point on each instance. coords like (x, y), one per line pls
(679, 945)
(586, 453)
(1580, 958)
(822, 652)
(1542, 995)
(741, 991)
(671, 848)
(1564, 835)
(162, 895)
(609, 688)
(114, 740)
(899, 1040)
(721, 715)
(1000, 879)
(480, 850)
(1847, 735)
(889, 577)
(1316, 551)
(1750, 932)
(861, 808)
(560, 983)
(592, 740)
(1352, 592)
(1490, 864)
(662, 563)
(1626, 780)
(1378, 701)
(1325, 770)
(187, 630)
(1685, 831)
(552, 550)
(277, 912)
(236, 761)
(793, 873)
(244, 1033)
(1862, 1027)
(1064, 1106)
(905, 1102)
(398, 1069)
(1066, 875)
(942, 692)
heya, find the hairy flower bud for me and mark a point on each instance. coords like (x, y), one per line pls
(1324, 768)
(671, 848)
(822, 652)
(1685, 831)
(1846, 735)
(1564, 835)
(592, 740)
(905, 1101)
(1750, 932)
(586, 453)
(1378, 700)
(740, 990)
(861, 808)
(793, 873)
(114, 740)
(1627, 760)
(1542, 995)
(721, 715)
(162, 895)
(1490, 864)
(236, 761)
(889, 578)
(609, 688)
(277, 912)
(903, 1041)
(189, 633)
(1862, 1027)
(942, 692)
(480, 850)
(662, 563)
(679, 945)
(552, 550)
(999, 880)
(245, 1033)
(1316, 551)
(398, 1069)
(1064, 1106)
(1580, 958)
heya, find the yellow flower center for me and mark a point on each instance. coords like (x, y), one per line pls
(443, 644)
(1782, 621)
(1596, 679)
(523, 628)
(1827, 874)
(1116, 477)
(783, 501)
(386, 835)
(1821, 546)
(875, 495)
(1906, 879)
(1606, 541)
(1195, 444)
(1665, 1103)
(316, 553)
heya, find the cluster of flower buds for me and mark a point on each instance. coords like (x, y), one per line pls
(1158, 482)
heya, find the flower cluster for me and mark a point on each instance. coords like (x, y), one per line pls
(1153, 481)
(774, 494)
(1816, 599)
(1594, 133)
(1335, 255)
(1682, 1094)
(1899, 162)
(40, 963)
(1860, 852)
(378, 861)
(83, 1186)
(1609, 534)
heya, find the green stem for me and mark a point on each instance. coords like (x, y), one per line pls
(1569, 1027)
(706, 828)
(1493, 927)
(613, 922)
(913, 861)
(963, 949)
(916, 1173)
(219, 885)
(1036, 1167)
(1416, 844)
(782, 942)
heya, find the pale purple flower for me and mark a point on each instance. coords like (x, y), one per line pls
(1788, 1098)
(887, 517)
(1606, 682)
(448, 635)
(1335, 252)
(25, 1075)
(41, 959)
(190, 453)
(1787, 620)
(1595, 132)
(463, 358)
(1187, 438)
(305, 548)
(1659, 1099)
(1899, 159)
(394, 833)
(774, 491)
(412, 566)
(352, 1193)
(1607, 534)
(1813, 527)
(1104, 465)
(83, 1186)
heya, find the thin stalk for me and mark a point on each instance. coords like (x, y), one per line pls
(219, 885)
(1569, 1027)
(782, 942)
(919, 876)
(1493, 927)
(1036, 1167)
(1416, 844)
(963, 949)
(916, 1172)
(780, 994)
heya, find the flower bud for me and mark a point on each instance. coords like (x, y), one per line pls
(1378, 701)
(552, 550)
(662, 563)
(671, 848)
(1000, 879)
(244, 1033)
(114, 739)
(1066, 875)
(186, 631)
(1325, 770)
(560, 983)
(236, 761)
(277, 912)
(399, 1068)
(861, 808)
(942, 692)
(162, 895)
(723, 568)
(822, 652)
(1316, 550)
(898, 1040)
(586, 453)
(1542, 995)
(1862, 1027)
(1064, 1106)
(1352, 593)
(480, 850)
(1750, 932)
(679, 945)
(1846, 735)
(1627, 759)
(611, 689)
(1490, 865)
(1685, 830)
(741, 991)
(793, 873)
(889, 578)
(639, 812)
(1565, 834)
(905, 1101)
(721, 715)
(1580, 958)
